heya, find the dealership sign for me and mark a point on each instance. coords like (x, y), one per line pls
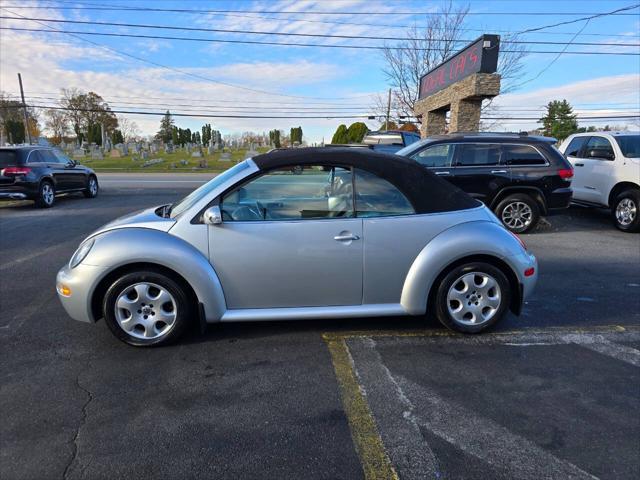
(480, 56)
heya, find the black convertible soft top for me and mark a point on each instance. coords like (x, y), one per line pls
(426, 192)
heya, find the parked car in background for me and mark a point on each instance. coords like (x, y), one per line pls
(40, 173)
(519, 177)
(300, 234)
(607, 173)
(389, 141)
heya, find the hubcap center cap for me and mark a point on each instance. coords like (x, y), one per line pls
(146, 310)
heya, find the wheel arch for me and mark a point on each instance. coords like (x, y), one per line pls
(473, 241)
(126, 250)
(620, 187)
(533, 192)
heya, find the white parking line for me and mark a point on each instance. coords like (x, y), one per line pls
(614, 350)
(478, 436)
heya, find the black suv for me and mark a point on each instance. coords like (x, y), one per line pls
(519, 177)
(40, 173)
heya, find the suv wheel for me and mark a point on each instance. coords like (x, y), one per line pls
(146, 309)
(92, 187)
(519, 212)
(626, 211)
(472, 297)
(46, 195)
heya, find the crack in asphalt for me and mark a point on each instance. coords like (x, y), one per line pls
(83, 421)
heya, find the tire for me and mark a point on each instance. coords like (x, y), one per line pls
(148, 322)
(518, 212)
(46, 194)
(458, 308)
(92, 187)
(626, 211)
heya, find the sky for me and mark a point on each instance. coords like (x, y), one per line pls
(153, 75)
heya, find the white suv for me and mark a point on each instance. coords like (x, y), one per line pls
(607, 173)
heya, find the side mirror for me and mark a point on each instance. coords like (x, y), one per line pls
(71, 164)
(213, 215)
(600, 153)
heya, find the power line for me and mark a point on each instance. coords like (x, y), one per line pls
(286, 44)
(316, 12)
(180, 114)
(173, 69)
(291, 34)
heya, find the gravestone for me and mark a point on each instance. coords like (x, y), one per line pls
(211, 149)
(96, 154)
(115, 153)
(168, 148)
(196, 154)
(78, 153)
(225, 157)
(184, 162)
(153, 148)
(204, 163)
(144, 155)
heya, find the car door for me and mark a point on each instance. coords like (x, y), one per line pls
(437, 158)
(598, 163)
(479, 171)
(74, 173)
(573, 153)
(289, 238)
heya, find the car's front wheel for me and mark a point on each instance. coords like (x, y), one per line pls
(626, 214)
(519, 212)
(146, 309)
(92, 187)
(472, 297)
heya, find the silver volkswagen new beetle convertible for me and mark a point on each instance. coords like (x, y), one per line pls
(299, 234)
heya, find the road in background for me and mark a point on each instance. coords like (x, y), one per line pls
(261, 400)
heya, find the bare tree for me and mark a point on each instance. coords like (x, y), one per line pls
(57, 122)
(129, 128)
(427, 47)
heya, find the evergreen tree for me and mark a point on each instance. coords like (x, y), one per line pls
(197, 138)
(341, 135)
(295, 135)
(560, 121)
(166, 128)
(274, 138)
(356, 132)
(175, 135)
(117, 137)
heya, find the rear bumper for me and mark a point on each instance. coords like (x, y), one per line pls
(559, 199)
(18, 191)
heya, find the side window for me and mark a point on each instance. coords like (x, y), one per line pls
(521, 155)
(375, 197)
(599, 148)
(478, 154)
(60, 157)
(48, 156)
(294, 193)
(36, 156)
(435, 156)
(575, 146)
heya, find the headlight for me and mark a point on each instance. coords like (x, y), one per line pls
(82, 251)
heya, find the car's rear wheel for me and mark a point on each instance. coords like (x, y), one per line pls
(92, 187)
(46, 195)
(472, 297)
(518, 212)
(146, 309)
(626, 211)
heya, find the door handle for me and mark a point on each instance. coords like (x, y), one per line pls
(498, 171)
(579, 164)
(346, 237)
(442, 173)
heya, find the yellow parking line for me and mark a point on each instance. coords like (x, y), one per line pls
(373, 457)
(449, 333)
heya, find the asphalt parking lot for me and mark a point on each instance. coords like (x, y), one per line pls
(554, 393)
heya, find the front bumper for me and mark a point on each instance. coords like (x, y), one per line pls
(80, 282)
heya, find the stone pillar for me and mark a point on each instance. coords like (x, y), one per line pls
(463, 98)
(465, 116)
(435, 123)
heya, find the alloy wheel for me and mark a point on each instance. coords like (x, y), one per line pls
(626, 212)
(146, 311)
(93, 187)
(47, 193)
(517, 215)
(474, 298)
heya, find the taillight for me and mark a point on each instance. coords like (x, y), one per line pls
(566, 173)
(15, 171)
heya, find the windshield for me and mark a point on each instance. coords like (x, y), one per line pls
(630, 145)
(409, 150)
(194, 197)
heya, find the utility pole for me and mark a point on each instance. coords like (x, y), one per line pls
(24, 108)
(386, 124)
